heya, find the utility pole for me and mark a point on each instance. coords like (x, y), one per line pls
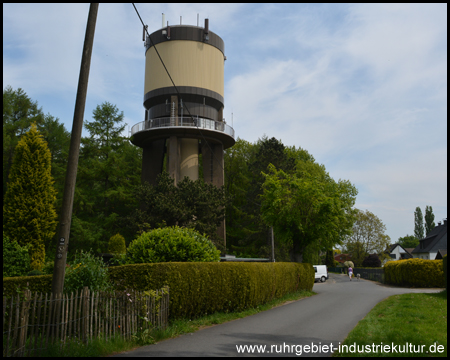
(72, 165)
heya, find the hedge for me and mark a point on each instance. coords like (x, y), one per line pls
(203, 288)
(13, 285)
(444, 265)
(198, 288)
(415, 273)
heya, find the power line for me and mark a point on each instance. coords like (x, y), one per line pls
(176, 89)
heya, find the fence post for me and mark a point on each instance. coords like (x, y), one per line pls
(85, 314)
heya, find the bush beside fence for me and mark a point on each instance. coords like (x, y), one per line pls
(204, 288)
(30, 322)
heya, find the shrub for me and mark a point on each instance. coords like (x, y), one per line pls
(35, 273)
(16, 260)
(415, 272)
(348, 264)
(86, 270)
(444, 265)
(48, 267)
(171, 244)
(372, 261)
(116, 245)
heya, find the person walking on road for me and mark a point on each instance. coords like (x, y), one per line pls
(350, 273)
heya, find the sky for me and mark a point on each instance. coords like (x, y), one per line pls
(361, 87)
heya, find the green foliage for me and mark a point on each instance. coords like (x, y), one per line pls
(29, 215)
(16, 261)
(348, 264)
(444, 268)
(415, 272)
(429, 220)
(203, 288)
(109, 169)
(19, 112)
(117, 245)
(48, 267)
(329, 259)
(15, 285)
(35, 273)
(192, 204)
(86, 270)
(244, 163)
(408, 241)
(367, 237)
(418, 224)
(171, 244)
(307, 208)
(372, 261)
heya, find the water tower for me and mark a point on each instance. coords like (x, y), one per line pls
(194, 56)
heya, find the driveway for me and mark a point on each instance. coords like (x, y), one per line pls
(321, 321)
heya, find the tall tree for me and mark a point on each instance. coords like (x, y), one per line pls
(29, 215)
(108, 170)
(429, 220)
(192, 204)
(418, 224)
(19, 112)
(367, 237)
(307, 206)
(408, 241)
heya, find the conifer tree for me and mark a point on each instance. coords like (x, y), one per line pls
(418, 224)
(429, 220)
(29, 215)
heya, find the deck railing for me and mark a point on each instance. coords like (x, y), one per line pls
(179, 121)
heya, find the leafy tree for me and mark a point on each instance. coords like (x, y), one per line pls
(372, 261)
(29, 215)
(408, 241)
(307, 206)
(109, 168)
(429, 220)
(368, 236)
(247, 235)
(191, 204)
(418, 224)
(357, 251)
(329, 258)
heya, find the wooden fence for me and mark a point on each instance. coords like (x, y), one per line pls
(32, 321)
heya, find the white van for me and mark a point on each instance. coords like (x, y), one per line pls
(321, 273)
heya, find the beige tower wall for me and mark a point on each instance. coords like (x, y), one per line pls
(189, 159)
(190, 63)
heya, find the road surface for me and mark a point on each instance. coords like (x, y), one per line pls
(321, 321)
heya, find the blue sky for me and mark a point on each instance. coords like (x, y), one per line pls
(362, 87)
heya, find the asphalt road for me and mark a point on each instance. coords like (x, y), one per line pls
(320, 320)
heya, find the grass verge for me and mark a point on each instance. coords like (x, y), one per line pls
(101, 347)
(408, 325)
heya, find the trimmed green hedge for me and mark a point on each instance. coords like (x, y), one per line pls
(203, 288)
(12, 285)
(444, 265)
(414, 272)
(198, 288)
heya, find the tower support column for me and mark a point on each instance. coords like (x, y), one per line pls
(152, 161)
(213, 173)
